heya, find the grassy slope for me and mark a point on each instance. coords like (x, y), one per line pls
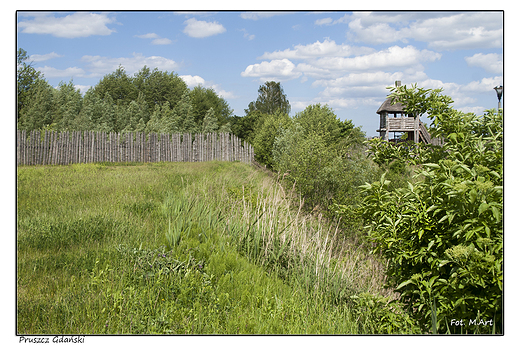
(203, 248)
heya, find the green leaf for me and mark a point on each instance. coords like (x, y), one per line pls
(483, 207)
(431, 208)
(473, 194)
(432, 165)
(443, 218)
(496, 213)
(402, 284)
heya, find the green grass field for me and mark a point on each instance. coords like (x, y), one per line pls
(186, 248)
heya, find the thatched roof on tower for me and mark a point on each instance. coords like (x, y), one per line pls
(388, 107)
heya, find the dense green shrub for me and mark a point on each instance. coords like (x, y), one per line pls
(323, 158)
(265, 135)
(443, 233)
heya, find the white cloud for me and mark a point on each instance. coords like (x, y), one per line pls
(80, 24)
(348, 75)
(70, 72)
(260, 15)
(44, 57)
(441, 30)
(361, 79)
(247, 35)
(149, 35)
(157, 40)
(277, 70)
(326, 60)
(323, 21)
(199, 28)
(102, 65)
(326, 48)
(483, 86)
(161, 41)
(460, 31)
(193, 81)
(82, 88)
(489, 62)
(377, 33)
(389, 58)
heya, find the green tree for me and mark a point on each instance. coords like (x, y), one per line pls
(322, 121)
(321, 156)
(245, 127)
(26, 79)
(155, 122)
(184, 111)
(90, 113)
(159, 86)
(108, 120)
(210, 123)
(270, 99)
(202, 99)
(38, 110)
(119, 86)
(67, 106)
(265, 135)
(169, 120)
(135, 112)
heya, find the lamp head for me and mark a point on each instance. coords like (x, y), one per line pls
(498, 89)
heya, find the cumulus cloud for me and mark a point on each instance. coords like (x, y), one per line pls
(260, 15)
(82, 88)
(278, 70)
(326, 60)
(100, 65)
(157, 40)
(161, 41)
(317, 49)
(361, 79)
(490, 62)
(70, 72)
(441, 31)
(323, 21)
(391, 57)
(193, 81)
(44, 57)
(149, 35)
(484, 85)
(247, 35)
(348, 75)
(80, 24)
(199, 28)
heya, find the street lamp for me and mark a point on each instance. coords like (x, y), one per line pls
(498, 89)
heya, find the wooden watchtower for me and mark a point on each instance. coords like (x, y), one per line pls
(392, 118)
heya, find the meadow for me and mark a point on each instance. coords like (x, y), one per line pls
(187, 248)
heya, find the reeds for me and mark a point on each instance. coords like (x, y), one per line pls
(273, 232)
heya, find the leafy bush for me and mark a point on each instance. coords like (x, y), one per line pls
(322, 158)
(265, 135)
(443, 233)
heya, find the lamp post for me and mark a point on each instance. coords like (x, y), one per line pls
(498, 89)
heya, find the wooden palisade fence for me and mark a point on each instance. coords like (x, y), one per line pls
(63, 148)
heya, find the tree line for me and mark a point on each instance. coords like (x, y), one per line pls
(149, 101)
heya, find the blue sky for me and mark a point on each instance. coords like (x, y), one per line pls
(343, 59)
